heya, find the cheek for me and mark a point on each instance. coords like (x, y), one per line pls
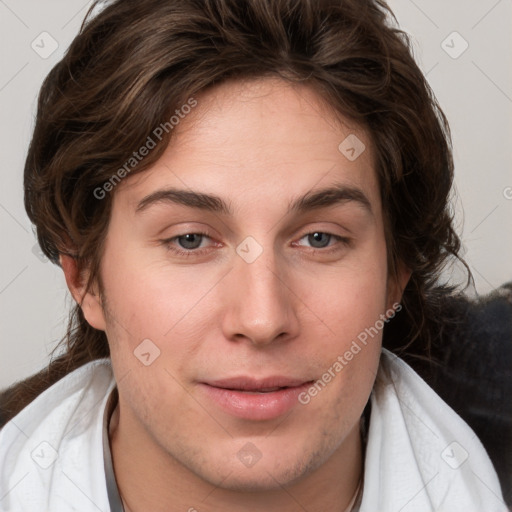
(347, 326)
(172, 307)
(152, 294)
(155, 324)
(349, 296)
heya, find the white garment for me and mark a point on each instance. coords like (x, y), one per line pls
(420, 456)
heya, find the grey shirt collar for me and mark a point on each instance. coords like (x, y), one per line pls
(114, 499)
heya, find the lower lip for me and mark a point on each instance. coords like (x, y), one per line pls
(255, 406)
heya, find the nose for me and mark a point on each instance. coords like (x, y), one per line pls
(260, 304)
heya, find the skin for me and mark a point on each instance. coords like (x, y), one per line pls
(258, 145)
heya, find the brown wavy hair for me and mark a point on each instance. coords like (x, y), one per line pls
(137, 61)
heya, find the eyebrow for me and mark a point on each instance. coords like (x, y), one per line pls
(322, 198)
(191, 199)
(332, 196)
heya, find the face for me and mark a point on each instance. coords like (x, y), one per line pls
(234, 281)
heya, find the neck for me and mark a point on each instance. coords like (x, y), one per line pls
(151, 480)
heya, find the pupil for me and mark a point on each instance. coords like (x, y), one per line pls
(319, 239)
(190, 241)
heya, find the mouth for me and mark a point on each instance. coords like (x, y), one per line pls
(265, 390)
(255, 399)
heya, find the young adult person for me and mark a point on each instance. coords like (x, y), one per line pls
(250, 204)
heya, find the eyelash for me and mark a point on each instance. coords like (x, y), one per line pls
(342, 242)
(182, 252)
(345, 242)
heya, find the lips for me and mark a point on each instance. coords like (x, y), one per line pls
(255, 399)
(256, 385)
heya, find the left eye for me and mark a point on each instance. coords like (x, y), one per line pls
(319, 239)
(190, 240)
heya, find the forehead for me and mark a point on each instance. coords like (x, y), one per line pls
(256, 141)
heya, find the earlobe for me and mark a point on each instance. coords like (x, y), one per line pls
(88, 300)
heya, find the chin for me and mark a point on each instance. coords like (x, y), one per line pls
(277, 471)
(261, 480)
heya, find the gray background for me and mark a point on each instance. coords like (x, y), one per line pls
(474, 88)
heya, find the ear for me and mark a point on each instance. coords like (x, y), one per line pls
(397, 284)
(88, 300)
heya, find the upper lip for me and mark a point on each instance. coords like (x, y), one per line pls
(251, 384)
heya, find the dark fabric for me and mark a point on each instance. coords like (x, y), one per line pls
(473, 373)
